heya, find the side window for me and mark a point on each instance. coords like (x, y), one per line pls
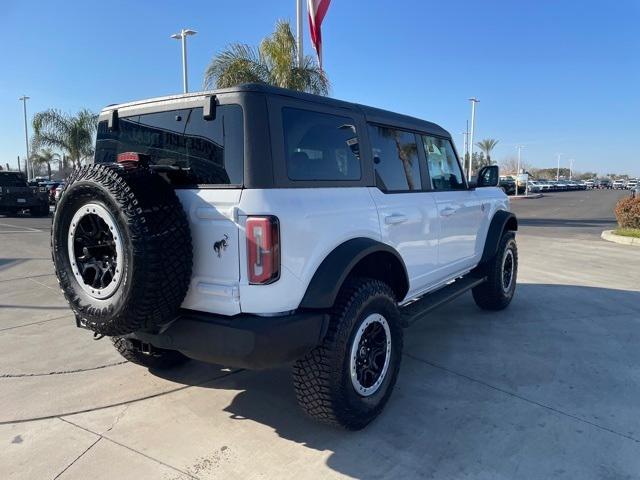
(201, 152)
(395, 158)
(320, 146)
(444, 169)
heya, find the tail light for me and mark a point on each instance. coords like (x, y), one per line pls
(263, 250)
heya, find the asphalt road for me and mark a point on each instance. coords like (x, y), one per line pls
(547, 388)
(578, 214)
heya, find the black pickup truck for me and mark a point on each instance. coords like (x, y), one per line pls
(17, 195)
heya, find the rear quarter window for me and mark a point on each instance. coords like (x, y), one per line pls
(320, 146)
(189, 149)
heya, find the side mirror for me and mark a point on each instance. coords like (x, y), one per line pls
(488, 176)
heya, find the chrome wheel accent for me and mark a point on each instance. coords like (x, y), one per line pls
(95, 251)
(370, 355)
(508, 268)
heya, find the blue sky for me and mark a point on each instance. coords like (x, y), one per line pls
(554, 76)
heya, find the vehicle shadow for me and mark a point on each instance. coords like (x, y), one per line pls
(476, 389)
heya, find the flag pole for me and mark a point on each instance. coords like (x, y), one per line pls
(299, 14)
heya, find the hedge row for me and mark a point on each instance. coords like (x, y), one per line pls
(628, 212)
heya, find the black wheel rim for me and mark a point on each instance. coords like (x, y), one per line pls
(370, 355)
(508, 266)
(95, 250)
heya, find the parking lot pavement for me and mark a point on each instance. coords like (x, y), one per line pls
(547, 388)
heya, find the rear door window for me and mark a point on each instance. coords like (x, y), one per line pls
(320, 146)
(395, 158)
(186, 147)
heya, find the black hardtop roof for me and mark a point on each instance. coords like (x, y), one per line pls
(375, 115)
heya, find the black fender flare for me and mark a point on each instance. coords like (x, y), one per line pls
(502, 221)
(337, 265)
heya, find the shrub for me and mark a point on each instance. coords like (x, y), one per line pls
(628, 212)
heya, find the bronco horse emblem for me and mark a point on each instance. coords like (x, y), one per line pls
(221, 245)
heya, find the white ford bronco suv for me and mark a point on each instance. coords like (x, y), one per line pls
(256, 226)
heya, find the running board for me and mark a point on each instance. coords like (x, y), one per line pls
(416, 310)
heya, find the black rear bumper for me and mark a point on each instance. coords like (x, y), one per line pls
(243, 341)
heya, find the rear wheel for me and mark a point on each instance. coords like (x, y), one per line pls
(502, 271)
(347, 380)
(147, 355)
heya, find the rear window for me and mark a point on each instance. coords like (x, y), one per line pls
(395, 156)
(193, 151)
(12, 180)
(319, 146)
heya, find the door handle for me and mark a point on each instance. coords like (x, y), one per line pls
(447, 212)
(395, 219)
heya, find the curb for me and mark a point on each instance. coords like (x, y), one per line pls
(609, 236)
(526, 197)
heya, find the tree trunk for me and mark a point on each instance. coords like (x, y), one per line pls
(405, 164)
(49, 170)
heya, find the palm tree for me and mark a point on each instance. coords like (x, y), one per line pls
(487, 145)
(44, 157)
(72, 134)
(273, 62)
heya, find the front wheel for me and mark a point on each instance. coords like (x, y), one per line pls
(502, 271)
(348, 379)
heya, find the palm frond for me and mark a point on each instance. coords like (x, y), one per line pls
(239, 63)
(273, 63)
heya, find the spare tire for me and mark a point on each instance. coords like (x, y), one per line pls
(121, 246)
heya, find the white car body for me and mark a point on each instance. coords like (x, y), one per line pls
(439, 235)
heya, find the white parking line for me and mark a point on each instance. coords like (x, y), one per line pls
(20, 229)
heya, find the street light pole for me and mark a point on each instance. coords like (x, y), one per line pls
(299, 33)
(24, 99)
(558, 170)
(519, 147)
(571, 169)
(182, 36)
(473, 101)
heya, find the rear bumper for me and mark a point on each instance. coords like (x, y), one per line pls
(242, 341)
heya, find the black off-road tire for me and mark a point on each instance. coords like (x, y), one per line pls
(157, 251)
(322, 378)
(492, 294)
(156, 358)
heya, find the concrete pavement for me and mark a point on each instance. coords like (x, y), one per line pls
(545, 389)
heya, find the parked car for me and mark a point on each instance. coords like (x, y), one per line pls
(545, 186)
(267, 268)
(16, 195)
(49, 187)
(534, 187)
(632, 184)
(590, 184)
(58, 192)
(619, 184)
(508, 185)
(604, 183)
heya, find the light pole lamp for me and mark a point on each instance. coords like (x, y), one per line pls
(24, 99)
(473, 101)
(182, 36)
